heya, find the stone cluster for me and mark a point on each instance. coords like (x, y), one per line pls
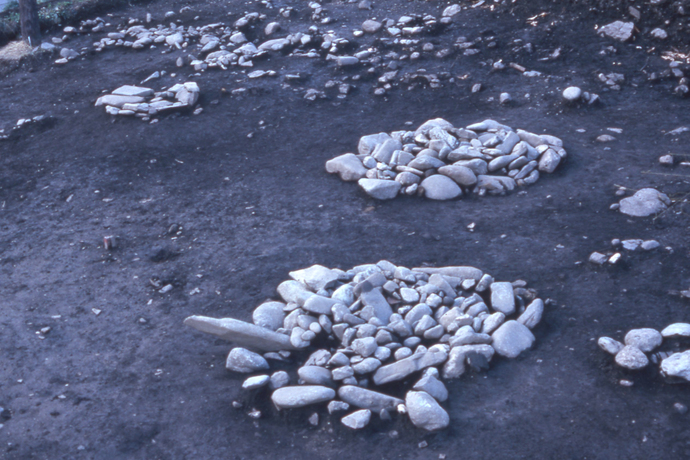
(614, 256)
(639, 343)
(144, 102)
(377, 324)
(442, 162)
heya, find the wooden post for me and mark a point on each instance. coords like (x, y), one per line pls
(30, 27)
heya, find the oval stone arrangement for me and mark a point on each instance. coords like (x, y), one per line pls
(442, 162)
(638, 343)
(378, 325)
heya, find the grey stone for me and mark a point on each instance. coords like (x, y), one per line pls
(269, 315)
(659, 33)
(433, 386)
(258, 381)
(404, 367)
(129, 90)
(676, 330)
(610, 345)
(367, 144)
(598, 258)
(631, 358)
(315, 375)
(370, 26)
(416, 313)
(364, 347)
(380, 189)
(467, 336)
(460, 272)
(503, 297)
(357, 420)
(511, 339)
(336, 406)
(493, 321)
(279, 379)
(245, 361)
(276, 44)
(425, 412)
(241, 333)
(646, 339)
(319, 304)
(368, 365)
(572, 94)
(347, 61)
(549, 161)
(677, 365)
(344, 294)
(409, 295)
(368, 399)
(402, 353)
(118, 101)
(532, 314)
(298, 339)
(462, 175)
(294, 291)
(316, 277)
(495, 184)
(348, 167)
(455, 366)
(649, 245)
(618, 30)
(374, 298)
(451, 11)
(342, 373)
(300, 396)
(644, 203)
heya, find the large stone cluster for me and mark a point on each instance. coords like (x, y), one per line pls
(442, 162)
(639, 343)
(374, 325)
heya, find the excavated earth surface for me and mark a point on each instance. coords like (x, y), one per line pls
(223, 217)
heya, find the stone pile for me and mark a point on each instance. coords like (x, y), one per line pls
(442, 162)
(374, 325)
(145, 102)
(636, 351)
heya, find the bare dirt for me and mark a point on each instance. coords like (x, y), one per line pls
(133, 383)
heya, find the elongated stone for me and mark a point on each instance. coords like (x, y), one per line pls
(367, 399)
(404, 367)
(300, 396)
(241, 333)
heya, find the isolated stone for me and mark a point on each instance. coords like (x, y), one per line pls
(357, 420)
(618, 30)
(370, 26)
(572, 94)
(644, 202)
(256, 382)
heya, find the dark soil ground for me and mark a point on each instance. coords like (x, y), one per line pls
(133, 383)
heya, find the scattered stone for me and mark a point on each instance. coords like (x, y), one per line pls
(598, 258)
(618, 30)
(370, 26)
(314, 419)
(659, 34)
(357, 420)
(425, 412)
(680, 408)
(666, 160)
(644, 202)
(253, 383)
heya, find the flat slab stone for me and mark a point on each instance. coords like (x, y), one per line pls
(300, 396)
(618, 30)
(129, 90)
(368, 399)
(241, 333)
(462, 273)
(511, 339)
(676, 330)
(118, 101)
(644, 203)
